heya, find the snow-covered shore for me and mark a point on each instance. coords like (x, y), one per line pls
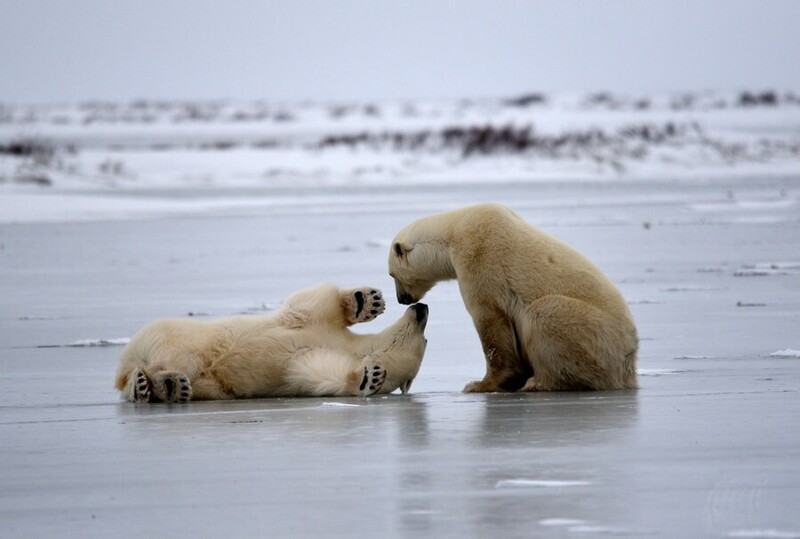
(231, 145)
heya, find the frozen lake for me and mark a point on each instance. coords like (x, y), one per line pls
(709, 446)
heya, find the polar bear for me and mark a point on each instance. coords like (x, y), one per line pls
(548, 318)
(303, 349)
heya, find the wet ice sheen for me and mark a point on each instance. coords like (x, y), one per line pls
(706, 452)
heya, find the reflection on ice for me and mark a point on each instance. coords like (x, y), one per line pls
(337, 405)
(697, 452)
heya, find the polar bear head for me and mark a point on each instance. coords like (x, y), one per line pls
(419, 258)
(400, 347)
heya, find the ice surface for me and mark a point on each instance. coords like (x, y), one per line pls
(707, 447)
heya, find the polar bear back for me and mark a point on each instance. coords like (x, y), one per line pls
(534, 262)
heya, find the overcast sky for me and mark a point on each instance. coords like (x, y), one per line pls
(67, 50)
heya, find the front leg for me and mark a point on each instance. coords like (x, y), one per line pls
(505, 369)
(361, 304)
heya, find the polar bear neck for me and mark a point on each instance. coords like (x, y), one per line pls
(429, 239)
(435, 256)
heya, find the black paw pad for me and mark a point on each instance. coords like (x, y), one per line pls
(169, 388)
(359, 302)
(185, 389)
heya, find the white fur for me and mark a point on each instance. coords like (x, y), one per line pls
(547, 317)
(303, 349)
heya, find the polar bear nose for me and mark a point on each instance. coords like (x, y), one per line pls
(421, 311)
(404, 298)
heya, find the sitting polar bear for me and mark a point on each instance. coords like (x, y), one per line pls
(303, 349)
(548, 319)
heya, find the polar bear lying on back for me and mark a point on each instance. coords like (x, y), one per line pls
(548, 318)
(303, 349)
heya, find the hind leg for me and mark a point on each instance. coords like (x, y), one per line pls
(330, 373)
(137, 388)
(368, 380)
(573, 345)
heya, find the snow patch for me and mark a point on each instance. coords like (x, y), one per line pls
(789, 352)
(744, 205)
(765, 533)
(767, 269)
(602, 530)
(263, 308)
(710, 270)
(378, 243)
(657, 372)
(337, 405)
(561, 522)
(99, 342)
(423, 512)
(538, 483)
(692, 288)
(582, 526)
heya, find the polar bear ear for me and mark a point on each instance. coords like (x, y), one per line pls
(400, 249)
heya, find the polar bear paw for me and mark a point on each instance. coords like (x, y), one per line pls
(173, 387)
(481, 386)
(142, 388)
(372, 379)
(531, 385)
(363, 305)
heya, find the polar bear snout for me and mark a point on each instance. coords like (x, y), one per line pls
(404, 297)
(412, 290)
(421, 313)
